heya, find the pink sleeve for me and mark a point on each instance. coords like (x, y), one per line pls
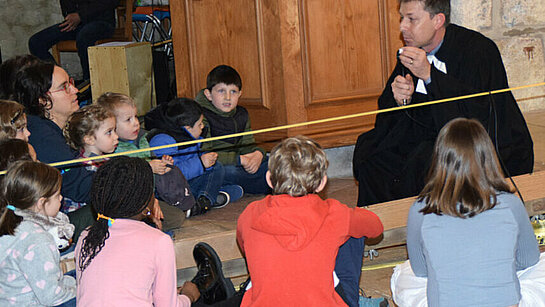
(364, 223)
(164, 287)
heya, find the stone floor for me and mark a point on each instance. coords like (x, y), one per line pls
(376, 273)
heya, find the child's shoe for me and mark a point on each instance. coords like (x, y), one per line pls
(213, 286)
(202, 205)
(228, 194)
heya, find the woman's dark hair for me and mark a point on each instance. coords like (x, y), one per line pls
(121, 188)
(464, 175)
(31, 87)
(9, 69)
(12, 150)
(24, 184)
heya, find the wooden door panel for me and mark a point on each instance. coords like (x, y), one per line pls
(343, 54)
(226, 32)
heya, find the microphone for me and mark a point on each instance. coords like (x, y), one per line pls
(403, 70)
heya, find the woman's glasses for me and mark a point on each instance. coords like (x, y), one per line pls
(65, 86)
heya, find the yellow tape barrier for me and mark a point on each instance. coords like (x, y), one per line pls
(381, 266)
(314, 122)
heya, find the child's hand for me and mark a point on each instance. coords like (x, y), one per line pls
(168, 160)
(251, 161)
(156, 214)
(208, 159)
(159, 167)
(190, 290)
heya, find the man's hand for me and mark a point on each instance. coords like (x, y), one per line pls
(416, 61)
(71, 22)
(156, 214)
(208, 159)
(403, 89)
(251, 161)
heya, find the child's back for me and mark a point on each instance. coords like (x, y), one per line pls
(291, 244)
(291, 239)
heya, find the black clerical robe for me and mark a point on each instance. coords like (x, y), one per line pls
(391, 161)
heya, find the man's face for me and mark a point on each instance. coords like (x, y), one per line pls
(418, 28)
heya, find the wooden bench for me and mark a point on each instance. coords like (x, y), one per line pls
(222, 234)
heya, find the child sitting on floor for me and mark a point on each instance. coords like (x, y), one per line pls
(245, 164)
(291, 238)
(29, 258)
(121, 261)
(131, 137)
(469, 239)
(181, 120)
(91, 131)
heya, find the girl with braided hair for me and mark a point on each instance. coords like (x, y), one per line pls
(120, 260)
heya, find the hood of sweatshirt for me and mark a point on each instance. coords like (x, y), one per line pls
(293, 221)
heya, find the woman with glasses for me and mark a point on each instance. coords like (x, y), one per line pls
(50, 97)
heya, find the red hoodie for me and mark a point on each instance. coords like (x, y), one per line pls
(291, 244)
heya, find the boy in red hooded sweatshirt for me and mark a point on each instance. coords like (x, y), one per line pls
(291, 238)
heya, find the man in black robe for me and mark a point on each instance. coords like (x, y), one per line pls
(440, 60)
(391, 161)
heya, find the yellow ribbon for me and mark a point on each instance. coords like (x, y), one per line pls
(314, 122)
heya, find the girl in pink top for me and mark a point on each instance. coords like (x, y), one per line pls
(120, 260)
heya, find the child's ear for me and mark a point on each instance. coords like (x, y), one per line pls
(268, 179)
(89, 140)
(40, 205)
(208, 94)
(322, 185)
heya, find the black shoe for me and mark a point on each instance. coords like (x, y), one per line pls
(202, 205)
(213, 286)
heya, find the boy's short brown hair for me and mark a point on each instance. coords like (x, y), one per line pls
(297, 166)
(110, 101)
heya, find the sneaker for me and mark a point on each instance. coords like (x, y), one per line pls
(228, 194)
(213, 286)
(201, 206)
(373, 302)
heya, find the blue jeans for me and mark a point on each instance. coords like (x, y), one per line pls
(251, 183)
(85, 36)
(209, 183)
(348, 269)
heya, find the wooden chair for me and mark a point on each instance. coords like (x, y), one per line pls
(122, 32)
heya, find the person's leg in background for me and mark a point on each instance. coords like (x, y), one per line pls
(40, 43)
(87, 36)
(251, 183)
(348, 269)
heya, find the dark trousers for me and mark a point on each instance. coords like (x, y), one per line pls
(209, 183)
(85, 36)
(348, 269)
(251, 183)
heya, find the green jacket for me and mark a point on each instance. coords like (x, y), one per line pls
(228, 152)
(139, 143)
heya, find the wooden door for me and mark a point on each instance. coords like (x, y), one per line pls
(300, 60)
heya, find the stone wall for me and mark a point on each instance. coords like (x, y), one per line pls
(518, 28)
(19, 19)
